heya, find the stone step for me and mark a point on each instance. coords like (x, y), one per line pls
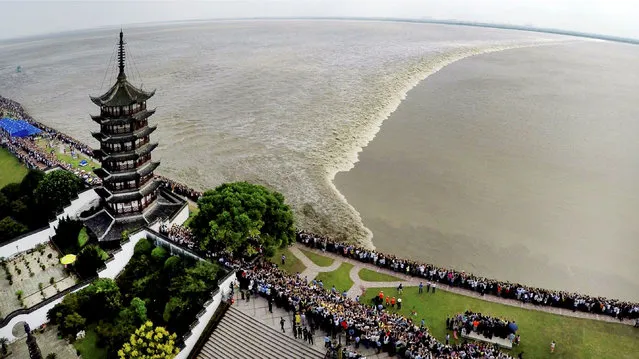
(258, 328)
(240, 336)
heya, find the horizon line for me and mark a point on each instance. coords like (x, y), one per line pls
(629, 40)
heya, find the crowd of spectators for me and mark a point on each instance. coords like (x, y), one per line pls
(35, 157)
(362, 325)
(179, 234)
(484, 325)
(15, 109)
(527, 294)
(179, 188)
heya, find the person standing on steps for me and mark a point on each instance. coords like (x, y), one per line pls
(270, 304)
(282, 321)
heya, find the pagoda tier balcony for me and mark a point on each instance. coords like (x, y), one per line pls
(138, 116)
(106, 176)
(124, 137)
(124, 197)
(125, 156)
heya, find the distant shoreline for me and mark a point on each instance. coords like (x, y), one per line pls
(544, 30)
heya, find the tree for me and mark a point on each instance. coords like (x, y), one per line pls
(90, 259)
(149, 342)
(56, 190)
(66, 235)
(159, 254)
(10, 228)
(239, 216)
(11, 191)
(72, 324)
(30, 182)
(5, 209)
(52, 356)
(138, 308)
(144, 246)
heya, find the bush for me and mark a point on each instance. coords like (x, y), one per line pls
(52, 280)
(144, 246)
(49, 255)
(42, 266)
(172, 264)
(159, 254)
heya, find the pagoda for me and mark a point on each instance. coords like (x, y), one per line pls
(128, 185)
(130, 197)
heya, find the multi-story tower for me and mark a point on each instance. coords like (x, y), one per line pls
(128, 189)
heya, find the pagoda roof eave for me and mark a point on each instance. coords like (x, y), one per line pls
(123, 137)
(122, 93)
(125, 156)
(133, 195)
(131, 175)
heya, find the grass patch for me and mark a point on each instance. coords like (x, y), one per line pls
(368, 275)
(293, 264)
(576, 338)
(318, 259)
(11, 170)
(339, 278)
(88, 347)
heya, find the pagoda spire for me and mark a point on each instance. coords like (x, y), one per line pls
(121, 57)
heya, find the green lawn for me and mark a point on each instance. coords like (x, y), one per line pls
(339, 278)
(88, 346)
(576, 338)
(11, 170)
(292, 266)
(318, 259)
(368, 275)
(67, 158)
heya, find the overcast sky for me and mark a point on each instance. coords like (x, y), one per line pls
(609, 17)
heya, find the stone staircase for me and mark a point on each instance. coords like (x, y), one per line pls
(240, 336)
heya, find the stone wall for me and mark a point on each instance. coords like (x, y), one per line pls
(28, 241)
(205, 315)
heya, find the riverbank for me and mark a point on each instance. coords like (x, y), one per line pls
(501, 166)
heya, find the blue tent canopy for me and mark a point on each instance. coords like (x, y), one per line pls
(18, 128)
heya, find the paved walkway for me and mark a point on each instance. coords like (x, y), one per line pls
(360, 285)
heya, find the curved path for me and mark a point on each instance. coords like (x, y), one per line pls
(312, 269)
(359, 285)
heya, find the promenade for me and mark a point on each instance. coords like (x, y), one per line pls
(312, 270)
